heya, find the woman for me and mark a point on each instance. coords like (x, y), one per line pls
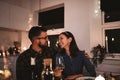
(74, 59)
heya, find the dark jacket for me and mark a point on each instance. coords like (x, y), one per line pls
(23, 67)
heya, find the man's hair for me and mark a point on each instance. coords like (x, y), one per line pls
(36, 31)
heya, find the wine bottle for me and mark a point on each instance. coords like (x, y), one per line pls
(47, 73)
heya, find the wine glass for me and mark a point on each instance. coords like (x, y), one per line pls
(60, 62)
(60, 65)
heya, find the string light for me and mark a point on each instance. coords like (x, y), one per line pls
(30, 19)
(97, 7)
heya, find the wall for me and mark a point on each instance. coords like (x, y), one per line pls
(77, 21)
(8, 36)
(25, 42)
(13, 17)
(95, 21)
(6, 40)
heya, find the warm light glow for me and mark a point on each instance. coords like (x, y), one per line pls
(113, 39)
(96, 11)
(106, 38)
(48, 43)
(7, 73)
(0, 54)
(99, 78)
(24, 48)
(97, 7)
(1, 72)
(30, 20)
(56, 44)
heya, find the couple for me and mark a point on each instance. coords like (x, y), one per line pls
(74, 59)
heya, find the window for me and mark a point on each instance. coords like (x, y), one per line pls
(52, 19)
(111, 9)
(113, 40)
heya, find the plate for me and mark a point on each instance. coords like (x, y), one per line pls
(85, 78)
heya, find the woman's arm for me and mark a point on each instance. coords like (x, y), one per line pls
(72, 77)
(89, 67)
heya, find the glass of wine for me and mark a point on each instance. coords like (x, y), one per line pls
(60, 62)
(60, 65)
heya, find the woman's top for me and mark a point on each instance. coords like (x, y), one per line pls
(75, 65)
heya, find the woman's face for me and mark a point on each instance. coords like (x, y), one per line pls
(63, 41)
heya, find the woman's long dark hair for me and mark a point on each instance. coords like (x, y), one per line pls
(73, 46)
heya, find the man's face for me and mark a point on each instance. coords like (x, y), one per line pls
(41, 40)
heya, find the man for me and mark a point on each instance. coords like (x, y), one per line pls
(29, 64)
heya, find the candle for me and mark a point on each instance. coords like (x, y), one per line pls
(99, 78)
(106, 39)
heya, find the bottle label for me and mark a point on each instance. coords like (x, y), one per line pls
(32, 61)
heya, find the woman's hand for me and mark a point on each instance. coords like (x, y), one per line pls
(58, 72)
(86, 55)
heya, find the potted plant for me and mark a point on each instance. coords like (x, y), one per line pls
(98, 54)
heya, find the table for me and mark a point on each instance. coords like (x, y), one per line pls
(11, 62)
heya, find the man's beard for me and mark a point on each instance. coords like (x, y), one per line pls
(45, 51)
(43, 46)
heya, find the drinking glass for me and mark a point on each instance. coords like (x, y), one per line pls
(60, 65)
(60, 62)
